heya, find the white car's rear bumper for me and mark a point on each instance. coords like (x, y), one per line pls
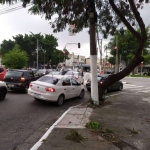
(43, 96)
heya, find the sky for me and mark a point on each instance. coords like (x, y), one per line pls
(22, 22)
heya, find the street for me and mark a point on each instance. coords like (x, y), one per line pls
(24, 120)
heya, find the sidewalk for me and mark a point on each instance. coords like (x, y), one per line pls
(128, 115)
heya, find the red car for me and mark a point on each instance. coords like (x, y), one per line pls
(2, 73)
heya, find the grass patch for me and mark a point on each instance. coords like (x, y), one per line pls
(108, 130)
(75, 136)
(93, 126)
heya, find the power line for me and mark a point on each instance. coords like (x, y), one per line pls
(12, 9)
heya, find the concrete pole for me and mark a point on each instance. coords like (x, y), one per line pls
(37, 54)
(93, 53)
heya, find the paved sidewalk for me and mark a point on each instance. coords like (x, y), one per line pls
(127, 115)
(75, 118)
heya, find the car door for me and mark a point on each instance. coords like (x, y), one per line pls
(76, 88)
(67, 89)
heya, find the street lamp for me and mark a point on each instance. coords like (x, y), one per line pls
(37, 52)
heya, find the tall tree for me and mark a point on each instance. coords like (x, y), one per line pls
(15, 58)
(127, 44)
(46, 43)
(108, 14)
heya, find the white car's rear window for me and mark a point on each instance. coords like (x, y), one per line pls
(48, 79)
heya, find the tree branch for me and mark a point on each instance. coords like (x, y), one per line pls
(118, 12)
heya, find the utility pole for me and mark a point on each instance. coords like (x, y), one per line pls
(93, 53)
(117, 63)
(37, 54)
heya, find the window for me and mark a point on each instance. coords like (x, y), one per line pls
(30, 74)
(1, 70)
(47, 79)
(74, 82)
(66, 82)
(14, 73)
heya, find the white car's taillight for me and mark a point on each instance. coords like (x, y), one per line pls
(49, 89)
(30, 85)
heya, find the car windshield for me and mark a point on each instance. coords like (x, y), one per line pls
(14, 73)
(49, 79)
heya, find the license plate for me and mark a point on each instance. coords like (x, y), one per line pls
(37, 95)
(10, 85)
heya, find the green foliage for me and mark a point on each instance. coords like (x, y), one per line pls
(28, 43)
(94, 126)
(107, 130)
(15, 58)
(127, 46)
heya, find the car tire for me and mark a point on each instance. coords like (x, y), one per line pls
(36, 99)
(3, 94)
(60, 100)
(120, 88)
(82, 94)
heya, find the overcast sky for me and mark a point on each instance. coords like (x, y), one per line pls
(21, 22)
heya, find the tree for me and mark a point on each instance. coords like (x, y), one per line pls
(15, 58)
(107, 14)
(127, 44)
(28, 43)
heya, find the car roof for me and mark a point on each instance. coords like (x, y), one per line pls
(58, 76)
(22, 70)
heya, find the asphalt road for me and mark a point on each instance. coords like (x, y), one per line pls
(23, 120)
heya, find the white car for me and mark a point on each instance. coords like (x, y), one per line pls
(55, 88)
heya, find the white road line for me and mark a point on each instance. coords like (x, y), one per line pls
(146, 91)
(115, 94)
(141, 89)
(132, 87)
(40, 142)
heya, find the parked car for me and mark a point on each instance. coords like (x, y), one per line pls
(19, 79)
(41, 72)
(2, 73)
(75, 75)
(101, 77)
(55, 89)
(3, 90)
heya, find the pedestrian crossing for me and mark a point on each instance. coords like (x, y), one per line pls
(136, 88)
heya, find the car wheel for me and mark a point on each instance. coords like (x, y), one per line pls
(120, 88)
(2, 94)
(60, 100)
(36, 99)
(82, 94)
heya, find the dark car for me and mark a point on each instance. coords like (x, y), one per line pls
(101, 77)
(19, 79)
(41, 72)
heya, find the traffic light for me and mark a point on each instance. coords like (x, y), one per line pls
(79, 45)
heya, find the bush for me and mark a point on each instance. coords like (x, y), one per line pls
(148, 73)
